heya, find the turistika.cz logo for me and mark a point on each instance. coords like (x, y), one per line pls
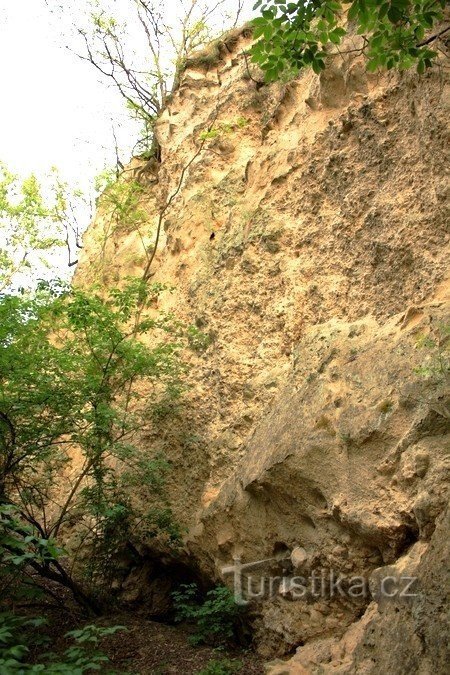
(320, 583)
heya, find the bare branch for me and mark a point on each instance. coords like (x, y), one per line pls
(434, 37)
(168, 203)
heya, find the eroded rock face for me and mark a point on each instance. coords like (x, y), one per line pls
(350, 467)
(309, 242)
(405, 633)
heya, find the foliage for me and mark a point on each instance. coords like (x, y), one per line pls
(16, 633)
(214, 618)
(70, 363)
(121, 210)
(223, 128)
(436, 366)
(18, 549)
(197, 340)
(293, 35)
(221, 667)
(13, 640)
(36, 221)
(145, 146)
(26, 220)
(120, 198)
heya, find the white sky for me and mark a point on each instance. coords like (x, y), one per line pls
(54, 110)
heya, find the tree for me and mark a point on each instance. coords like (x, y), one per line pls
(394, 33)
(143, 53)
(36, 223)
(70, 365)
(24, 220)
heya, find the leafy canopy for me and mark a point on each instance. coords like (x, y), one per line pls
(293, 35)
(38, 220)
(78, 382)
(26, 220)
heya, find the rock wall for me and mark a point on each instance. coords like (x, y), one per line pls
(308, 240)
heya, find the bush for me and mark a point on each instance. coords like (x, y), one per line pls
(215, 618)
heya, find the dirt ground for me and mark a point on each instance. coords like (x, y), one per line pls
(151, 648)
(147, 647)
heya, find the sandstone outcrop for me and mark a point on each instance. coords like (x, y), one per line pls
(309, 243)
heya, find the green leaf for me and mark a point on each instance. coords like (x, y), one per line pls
(372, 65)
(318, 66)
(353, 11)
(376, 40)
(421, 67)
(394, 14)
(383, 10)
(335, 38)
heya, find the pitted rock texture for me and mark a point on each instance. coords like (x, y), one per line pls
(405, 633)
(308, 240)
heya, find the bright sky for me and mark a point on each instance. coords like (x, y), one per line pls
(54, 110)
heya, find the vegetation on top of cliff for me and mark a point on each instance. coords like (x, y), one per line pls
(393, 33)
(216, 49)
(144, 51)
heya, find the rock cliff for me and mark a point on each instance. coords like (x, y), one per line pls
(307, 239)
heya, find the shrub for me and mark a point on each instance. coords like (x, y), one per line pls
(436, 365)
(214, 618)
